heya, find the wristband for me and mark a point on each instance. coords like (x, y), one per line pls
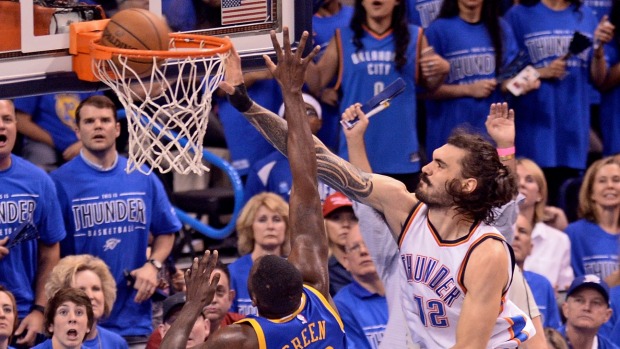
(38, 308)
(506, 151)
(507, 157)
(240, 99)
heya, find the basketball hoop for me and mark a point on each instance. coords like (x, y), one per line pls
(167, 107)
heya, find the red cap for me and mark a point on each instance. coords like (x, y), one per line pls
(334, 202)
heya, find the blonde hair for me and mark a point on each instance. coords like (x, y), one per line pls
(586, 205)
(63, 276)
(539, 177)
(245, 233)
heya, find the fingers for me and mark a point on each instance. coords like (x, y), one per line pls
(302, 45)
(276, 44)
(30, 335)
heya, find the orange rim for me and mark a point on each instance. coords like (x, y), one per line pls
(190, 44)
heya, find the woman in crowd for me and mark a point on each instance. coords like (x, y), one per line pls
(8, 317)
(263, 229)
(557, 115)
(378, 47)
(478, 44)
(91, 275)
(595, 238)
(550, 254)
(610, 101)
(68, 319)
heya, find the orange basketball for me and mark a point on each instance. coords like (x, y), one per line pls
(137, 29)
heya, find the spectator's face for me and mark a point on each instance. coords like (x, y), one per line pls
(586, 309)
(8, 130)
(528, 187)
(97, 129)
(606, 186)
(435, 176)
(339, 223)
(198, 335)
(90, 283)
(522, 243)
(470, 4)
(313, 119)
(357, 257)
(7, 316)
(70, 325)
(378, 9)
(222, 300)
(269, 228)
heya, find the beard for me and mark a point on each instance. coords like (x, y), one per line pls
(430, 196)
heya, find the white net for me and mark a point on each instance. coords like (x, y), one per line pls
(167, 103)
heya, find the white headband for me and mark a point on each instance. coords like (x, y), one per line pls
(307, 99)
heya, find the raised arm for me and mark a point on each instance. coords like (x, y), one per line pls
(382, 193)
(309, 251)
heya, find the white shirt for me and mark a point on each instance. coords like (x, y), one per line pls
(550, 256)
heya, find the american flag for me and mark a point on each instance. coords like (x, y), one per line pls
(243, 11)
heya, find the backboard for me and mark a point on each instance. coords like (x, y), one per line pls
(34, 39)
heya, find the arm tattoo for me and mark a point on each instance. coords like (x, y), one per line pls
(333, 170)
(339, 174)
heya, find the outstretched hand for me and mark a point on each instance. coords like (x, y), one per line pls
(233, 75)
(500, 125)
(290, 72)
(200, 287)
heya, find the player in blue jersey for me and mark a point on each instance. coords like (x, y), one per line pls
(28, 194)
(378, 47)
(292, 295)
(594, 238)
(109, 213)
(478, 44)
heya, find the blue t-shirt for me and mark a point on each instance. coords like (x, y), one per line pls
(423, 12)
(599, 7)
(26, 193)
(610, 106)
(273, 174)
(109, 214)
(593, 250)
(314, 325)
(55, 113)
(557, 115)
(364, 314)
(603, 342)
(105, 339)
(469, 49)
(245, 143)
(544, 295)
(45, 345)
(239, 274)
(391, 138)
(608, 329)
(323, 29)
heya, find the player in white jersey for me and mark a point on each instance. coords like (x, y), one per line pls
(434, 288)
(460, 187)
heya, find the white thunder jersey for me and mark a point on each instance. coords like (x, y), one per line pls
(433, 289)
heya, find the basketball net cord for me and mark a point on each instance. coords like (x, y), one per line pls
(167, 116)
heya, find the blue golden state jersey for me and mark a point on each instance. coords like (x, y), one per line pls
(315, 324)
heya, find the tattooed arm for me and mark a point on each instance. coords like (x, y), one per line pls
(385, 194)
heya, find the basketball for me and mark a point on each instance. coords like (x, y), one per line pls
(137, 29)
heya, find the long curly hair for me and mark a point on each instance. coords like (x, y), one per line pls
(489, 17)
(496, 184)
(399, 26)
